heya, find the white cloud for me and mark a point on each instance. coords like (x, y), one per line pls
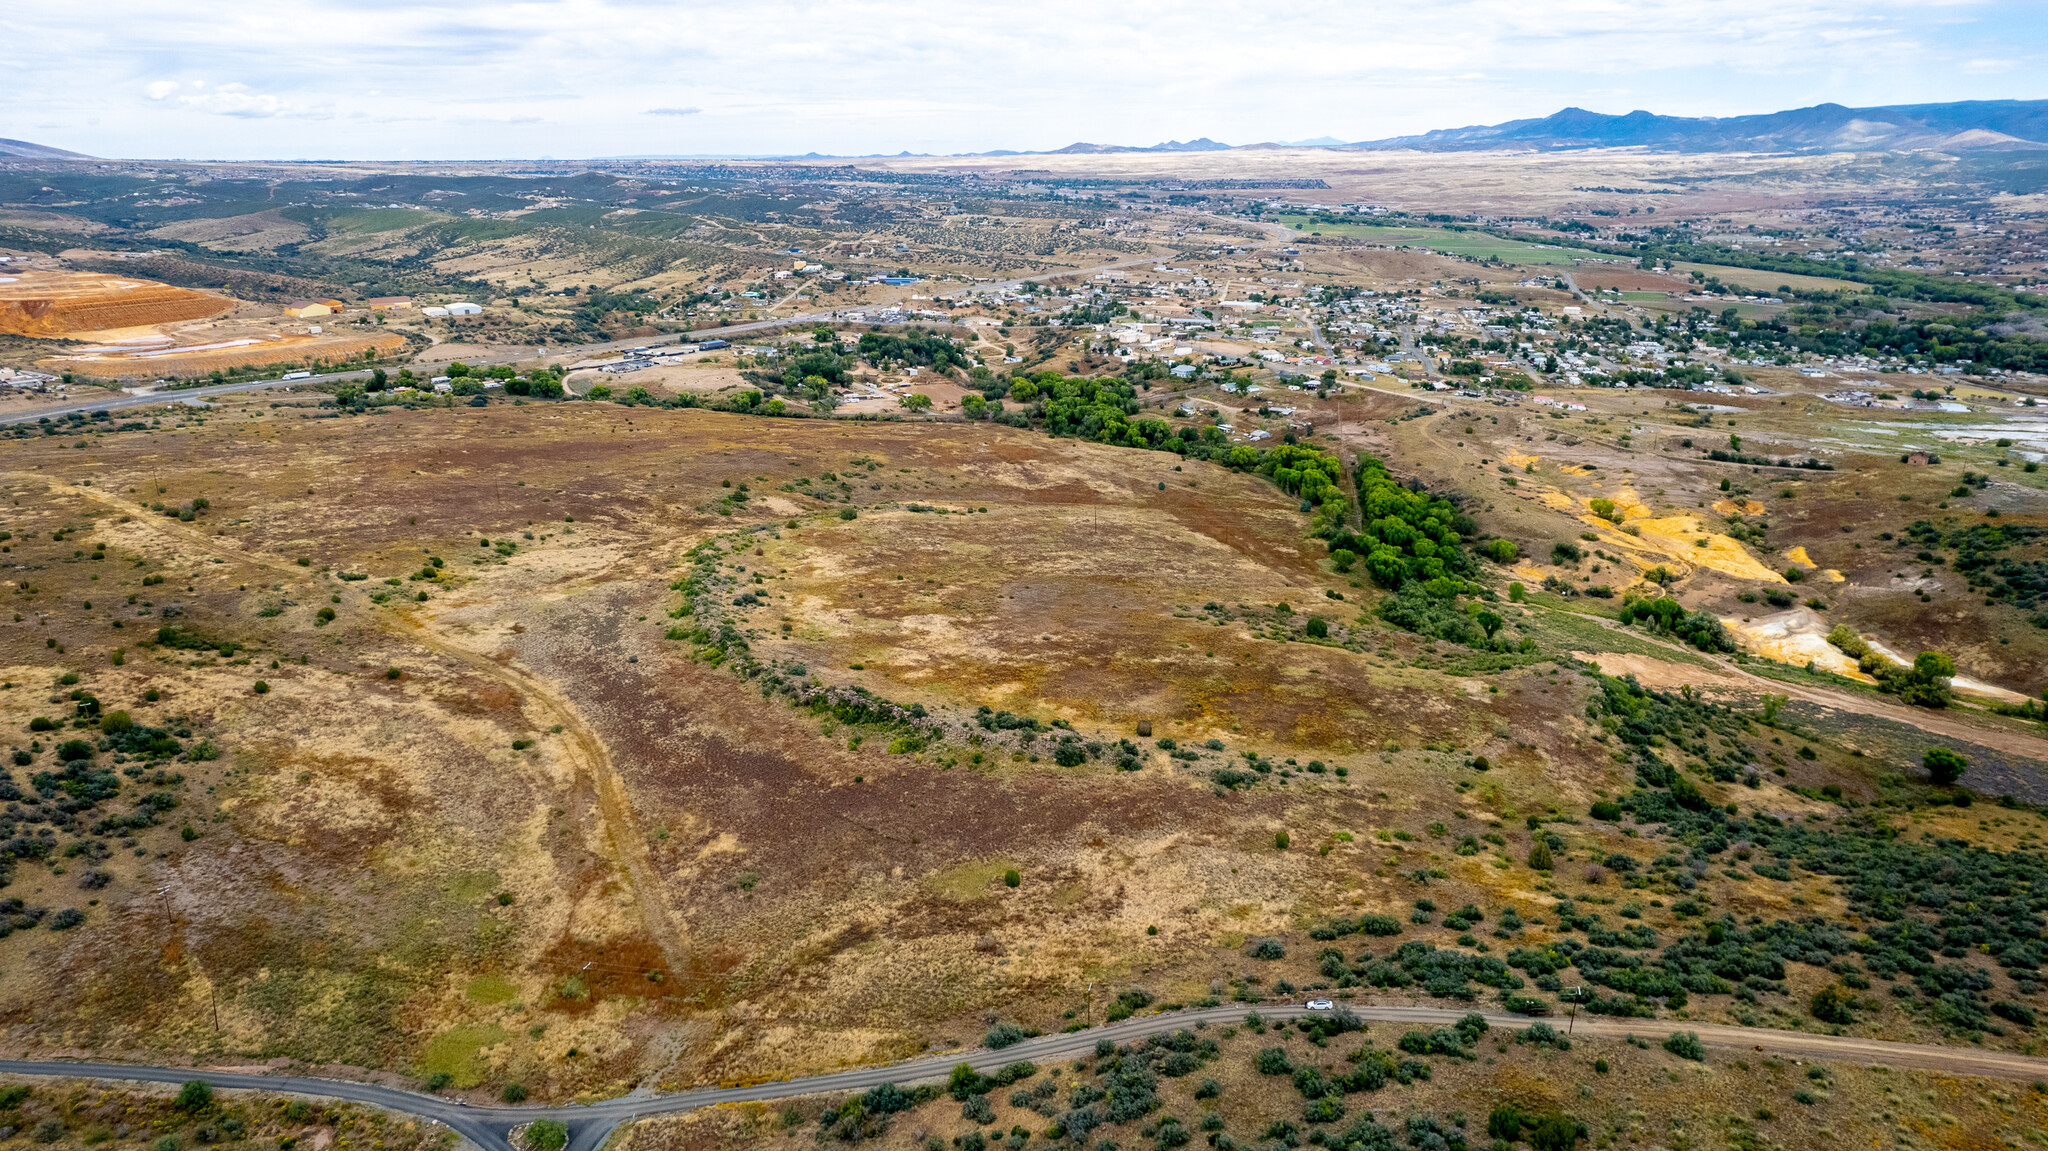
(621, 76)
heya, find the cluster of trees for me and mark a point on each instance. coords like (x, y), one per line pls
(1926, 683)
(917, 348)
(1408, 534)
(1667, 615)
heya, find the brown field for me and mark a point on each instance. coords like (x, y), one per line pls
(471, 831)
(48, 304)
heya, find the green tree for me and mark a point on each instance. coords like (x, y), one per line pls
(1540, 858)
(547, 1135)
(1943, 766)
(917, 402)
(1489, 622)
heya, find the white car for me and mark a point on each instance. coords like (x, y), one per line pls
(1319, 1005)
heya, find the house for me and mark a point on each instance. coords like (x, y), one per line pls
(307, 309)
(465, 309)
(433, 311)
(1914, 458)
(386, 303)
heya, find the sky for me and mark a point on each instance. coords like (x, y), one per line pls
(572, 79)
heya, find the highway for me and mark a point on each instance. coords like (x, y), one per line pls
(487, 1127)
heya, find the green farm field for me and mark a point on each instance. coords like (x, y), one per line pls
(1479, 245)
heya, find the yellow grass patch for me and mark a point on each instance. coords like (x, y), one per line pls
(970, 880)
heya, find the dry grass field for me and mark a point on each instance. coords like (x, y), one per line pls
(488, 819)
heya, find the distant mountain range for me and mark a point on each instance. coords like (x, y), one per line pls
(23, 150)
(1968, 125)
(1205, 144)
(1962, 126)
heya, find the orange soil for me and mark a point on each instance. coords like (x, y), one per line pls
(161, 361)
(49, 305)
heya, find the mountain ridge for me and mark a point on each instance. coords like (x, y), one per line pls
(26, 150)
(1964, 125)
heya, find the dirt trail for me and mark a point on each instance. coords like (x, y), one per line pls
(583, 747)
(628, 845)
(1659, 673)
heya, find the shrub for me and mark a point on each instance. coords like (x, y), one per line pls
(195, 1095)
(977, 1109)
(1943, 766)
(1317, 627)
(1003, 1035)
(1011, 878)
(1685, 1045)
(1554, 1132)
(1127, 1003)
(1273, 1061)
(1281, 841)
(513, 1093)
(1267, 948)
(1540, 858)
(51, 1130)
(71, 917)
(2019, 1013)
(547, 1135)
(439, 1080)
(1831, 1004)
(848, 514)
(260, 688)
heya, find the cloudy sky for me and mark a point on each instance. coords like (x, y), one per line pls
(432, 79)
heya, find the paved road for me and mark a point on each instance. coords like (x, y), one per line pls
(589, 1125)
(116, 403)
